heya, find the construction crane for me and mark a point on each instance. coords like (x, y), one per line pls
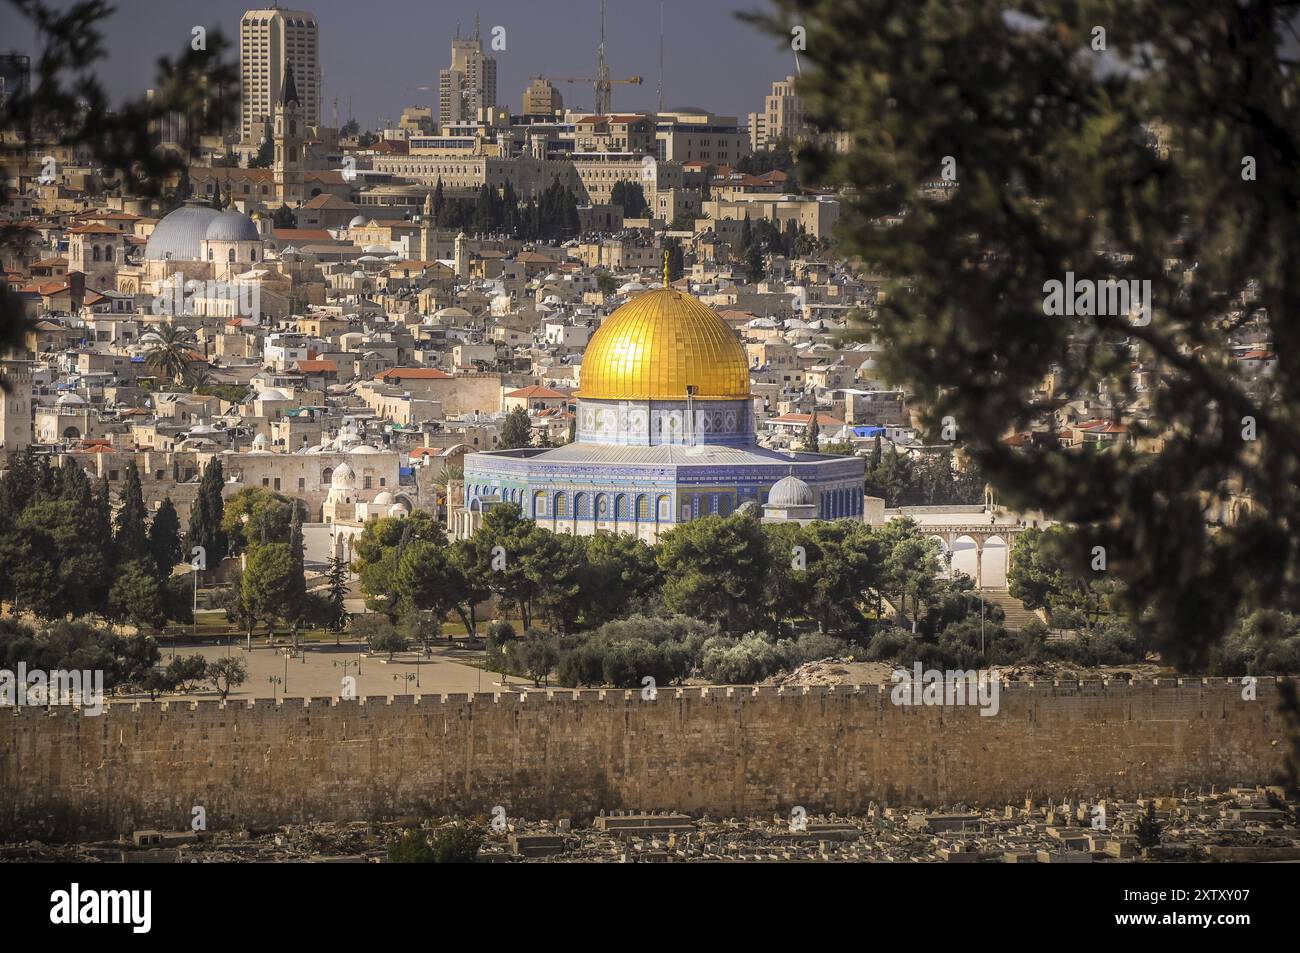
(602, 89)
(601, 82)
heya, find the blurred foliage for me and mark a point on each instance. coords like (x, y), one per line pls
(66, 105)
(1053, 144)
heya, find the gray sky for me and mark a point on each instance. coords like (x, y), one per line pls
(374, 49)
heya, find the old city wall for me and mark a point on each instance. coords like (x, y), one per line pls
(563, 753)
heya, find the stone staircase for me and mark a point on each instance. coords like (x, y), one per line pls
(1017, 615)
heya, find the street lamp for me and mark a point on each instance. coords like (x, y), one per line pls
(274, 681)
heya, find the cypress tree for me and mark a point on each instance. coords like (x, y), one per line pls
(131, 537)
(296, 597)
(206, 514)
(165, 539)
(73, 484)
(337, 593)
(439, 205)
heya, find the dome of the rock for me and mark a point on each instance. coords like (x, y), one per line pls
(660, 344)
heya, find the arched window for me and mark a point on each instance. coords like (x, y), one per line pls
(622, 507)
(252, 254)
(210, 255)
(643, 507)
(665, 508)
(230, 256)
(327, 475)
(108, 253)
(582, 506)
(95, 251)
(539, 504)
(561, 505)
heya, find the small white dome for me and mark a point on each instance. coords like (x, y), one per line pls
(398, 509)
(272, 393)
(358, 221)
(384, 499)
(364, 448)
(232, 226)
(343, 478)
(261, 441)
(790, 491)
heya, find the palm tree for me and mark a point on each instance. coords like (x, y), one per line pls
(169, 350)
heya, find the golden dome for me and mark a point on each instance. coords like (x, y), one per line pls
(658, 344)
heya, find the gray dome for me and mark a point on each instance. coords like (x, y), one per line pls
(790, 491)
(232, 226)
(178, 235)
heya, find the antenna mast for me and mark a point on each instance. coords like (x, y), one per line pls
(602, 70)
(660, 89)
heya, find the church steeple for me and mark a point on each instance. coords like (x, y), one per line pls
(289, 89)
(290, 133)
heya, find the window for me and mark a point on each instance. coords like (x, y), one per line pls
(302, 483)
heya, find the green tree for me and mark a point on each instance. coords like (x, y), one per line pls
(131, 537)
(676, 258)
(227, 673)
(137, 598)
(336, 593)
(427, 581)
(617, 573)
(267, 583)
(265, 155)
(1147, 830)
(1061, 170)
(457, 844)
(165, 538)
(185, 671)
(298, 607)
(714, 569)
(755, 264)
(517, 431)
(208, 513)
(502, 558)
(169, 351)
(257, 515)
(631, 197)
(844, 559)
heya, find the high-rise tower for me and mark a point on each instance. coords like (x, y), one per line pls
(470, 84)
(268, 41)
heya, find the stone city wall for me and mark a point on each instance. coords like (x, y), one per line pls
(723, 751)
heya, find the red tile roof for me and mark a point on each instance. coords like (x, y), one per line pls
(537, 390)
